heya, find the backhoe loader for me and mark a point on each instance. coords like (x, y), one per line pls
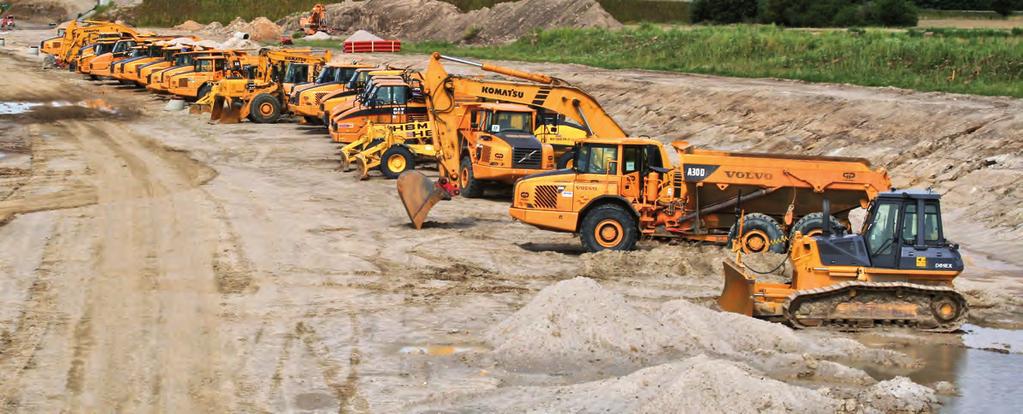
(897, 272)
(305, 100)
(620, 190)
(261, 98)
(480, 143)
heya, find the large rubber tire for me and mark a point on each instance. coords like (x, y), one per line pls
(761, 233)
(312, 120)
(203, 91)
(470, 186)
(265, 109)
(608, 227)
(813, 223)
(565, 159)
(395, 161)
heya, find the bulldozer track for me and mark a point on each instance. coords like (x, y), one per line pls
(924, 297)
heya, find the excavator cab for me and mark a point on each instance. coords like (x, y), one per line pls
(897, 272)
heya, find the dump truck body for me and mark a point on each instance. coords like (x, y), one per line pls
(695, 200)
(305, 100)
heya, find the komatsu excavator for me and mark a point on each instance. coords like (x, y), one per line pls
(897, 272)
(478, 143)
(316, 21)
(261, 99)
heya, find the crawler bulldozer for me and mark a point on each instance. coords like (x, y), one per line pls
(897, 271)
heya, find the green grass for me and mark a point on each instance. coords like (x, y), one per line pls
(952, 61)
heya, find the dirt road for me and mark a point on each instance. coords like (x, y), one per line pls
(153, 262)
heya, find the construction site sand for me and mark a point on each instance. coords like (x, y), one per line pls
(419, 20)
(160, 263)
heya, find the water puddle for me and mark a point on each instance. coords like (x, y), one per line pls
(15, 108)
(440, 350)
(983, 364)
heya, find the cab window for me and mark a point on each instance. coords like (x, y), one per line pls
(931, 224)
(511, 121)
(881, 234)
(632, 159)
(595, 159)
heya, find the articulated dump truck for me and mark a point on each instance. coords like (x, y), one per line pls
(621, 189)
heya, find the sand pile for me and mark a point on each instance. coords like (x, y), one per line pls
(690, 260)
(699, 385)
(259, 29)
(577, 324)
(418, 20)
(577, 327)
(190, 25)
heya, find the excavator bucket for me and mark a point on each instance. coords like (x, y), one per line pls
(419, 194)
(737, 295)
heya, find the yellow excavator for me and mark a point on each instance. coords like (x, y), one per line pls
(261, 97)
(897, 271)
(478, 143)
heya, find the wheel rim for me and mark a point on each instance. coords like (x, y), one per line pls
(609, 233)
(755, 241)
(396, 163)
(266, 109)
(464, 179)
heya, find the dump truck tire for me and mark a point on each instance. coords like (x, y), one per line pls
(608, 227)
(312, 120)
(470, 186)
(812, 225)
(565, 160)
(264, 109)
(395, 161)
(761, 233)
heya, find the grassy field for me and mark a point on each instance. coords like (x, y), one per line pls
(988, 62)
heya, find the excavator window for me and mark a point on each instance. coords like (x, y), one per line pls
(932, 233)
(297, 73)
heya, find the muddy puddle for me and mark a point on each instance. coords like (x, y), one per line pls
(982, 363)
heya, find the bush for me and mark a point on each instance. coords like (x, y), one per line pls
(723, 11)
(1002, 7)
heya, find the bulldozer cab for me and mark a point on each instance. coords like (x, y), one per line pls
(903, 230)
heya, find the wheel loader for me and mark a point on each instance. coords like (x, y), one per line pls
(489, 140)
(261, 98)
(898, 271)
(619, 190)
(305, 100)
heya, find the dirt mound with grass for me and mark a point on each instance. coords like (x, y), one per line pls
(419, 20)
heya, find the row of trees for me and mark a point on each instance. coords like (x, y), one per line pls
(834, 13)
(807, 13)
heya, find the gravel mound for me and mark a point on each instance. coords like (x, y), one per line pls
(418, 20)
(900, 395)
(190, 25)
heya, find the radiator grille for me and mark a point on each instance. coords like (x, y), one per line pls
(182, 83)
(485, 155)
(527, 158)
(319, 96)
(546, 196)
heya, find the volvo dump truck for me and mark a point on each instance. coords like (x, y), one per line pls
(619, 190)
(337, 102)
(261, 99)
(207, 71)
(159, 81)
(305, 100)
(479, 145)
(129, 70)
(388, 100)
(897, 271)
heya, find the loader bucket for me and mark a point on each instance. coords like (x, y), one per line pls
(225, 111)
(419, 195)
(737, 295)
(362, 169)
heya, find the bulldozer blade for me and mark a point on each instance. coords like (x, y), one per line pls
(419, 194)
(737, 296)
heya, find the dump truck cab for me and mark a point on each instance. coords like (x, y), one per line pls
(127, 70)
(390, 100)
(205, 70)
(100, 64)
(500, 145)
(355, 86)
(305, 100)
(173, 56)
(102, 46)
(159, 81)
